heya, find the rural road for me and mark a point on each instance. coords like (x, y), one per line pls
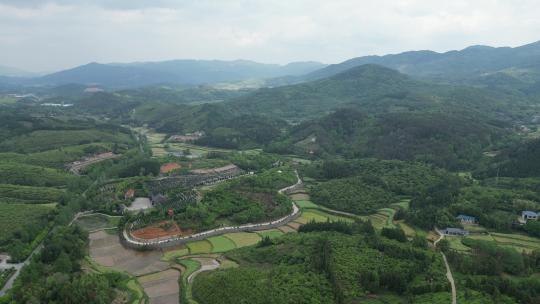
(248, 227)
(18, 268)
(214, 264)
(449, 275)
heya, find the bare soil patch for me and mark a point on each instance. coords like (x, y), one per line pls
(161, 229)
(107, 250)
(162, 287)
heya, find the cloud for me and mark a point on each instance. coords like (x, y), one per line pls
(50, 35)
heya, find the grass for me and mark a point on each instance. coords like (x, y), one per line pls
(137, 292)
(272, 233)
(320, 216)
(242, 239)
(410, 232)
(221, 244)
(191, 266)
(173, 254)
(203, 246)
(519, 242)
(97, 221)
(307, 205)
(456, 244)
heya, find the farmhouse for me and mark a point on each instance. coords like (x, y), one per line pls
(455, 231)
(529, 215)
(467, 219)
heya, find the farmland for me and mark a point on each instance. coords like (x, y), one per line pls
(97, 221)
(221, 244)
(27, 194)
(42, 140)
(22, 174)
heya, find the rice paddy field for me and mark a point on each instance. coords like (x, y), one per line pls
(221, 244)
(242, 239)
(271, 233)
(203, 246)
(94, 222)
(320, 216)
(383, 218)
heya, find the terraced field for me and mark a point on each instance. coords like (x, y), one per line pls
(197, 247)
(383, 218)
(272, 233)
(97, 221)
(221, 244)
(242, 239)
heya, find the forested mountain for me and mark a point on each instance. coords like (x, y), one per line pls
(470, 63)
(375, 89)
(190, 72)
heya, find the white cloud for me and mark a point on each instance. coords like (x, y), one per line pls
(48, 35)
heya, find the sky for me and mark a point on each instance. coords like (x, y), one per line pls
(45, 36)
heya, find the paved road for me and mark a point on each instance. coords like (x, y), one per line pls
(449, 275)
(248, 227)
(18, 268)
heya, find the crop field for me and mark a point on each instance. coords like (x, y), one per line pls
(286, 229)
(97, 221)
(409, 231)
(242, 239)
(28, 194)
(320, 216)
(519, 242)
(106, 250)
(43, 140)
(22, 174)
(203, 246)
(272, 233)
(306, 204)
(170, 255)
(456, 244)
(221, 244)
(383, 218)
(162, 287)
(14, 216)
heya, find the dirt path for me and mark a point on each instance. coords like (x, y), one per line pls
(206, 265)
(449, 275)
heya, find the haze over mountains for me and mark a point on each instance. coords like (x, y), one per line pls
(517, 67)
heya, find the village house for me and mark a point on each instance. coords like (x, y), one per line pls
(455, 232)
(467, 219)
(529, 215)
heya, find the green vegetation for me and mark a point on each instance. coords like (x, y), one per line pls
(5, 274)
(23, 227)
(27, 194)
(221, 244)
(196, 247)
(22, 174)
(318, 268)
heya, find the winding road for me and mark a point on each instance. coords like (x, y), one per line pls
(219, 231)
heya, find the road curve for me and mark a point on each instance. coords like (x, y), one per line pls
(218, 231)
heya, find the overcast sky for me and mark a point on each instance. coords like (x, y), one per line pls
(51, 35)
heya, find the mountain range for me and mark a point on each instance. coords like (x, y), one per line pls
(184, 72)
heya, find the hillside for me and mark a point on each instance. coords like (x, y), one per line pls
(375, 89)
